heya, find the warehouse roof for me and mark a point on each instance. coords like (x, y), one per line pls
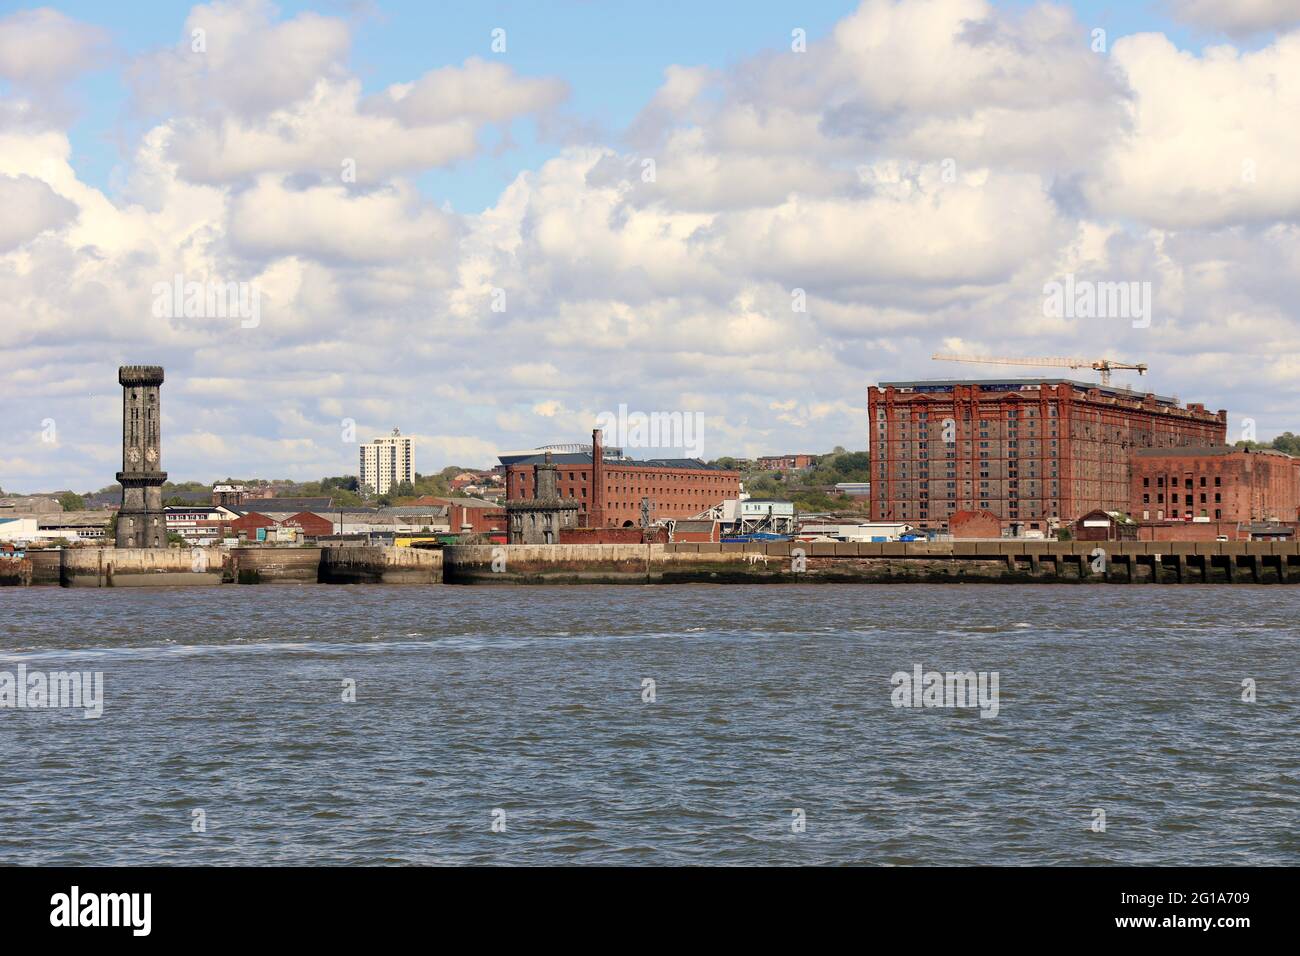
(1202, 451)
(585, 459)
(1015, 384)
(291, 505)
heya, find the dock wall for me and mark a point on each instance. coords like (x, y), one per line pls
(552, 563)
(137, 567)
(1126, 562)
(273, 565)
(369, 565)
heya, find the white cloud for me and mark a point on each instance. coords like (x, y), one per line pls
(323, 136)
(42, 47)
(331, 223)
(482, 91)
(1205, 146)
(235, 58)
(30, 208)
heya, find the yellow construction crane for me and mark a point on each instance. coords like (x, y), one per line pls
(1104, 366)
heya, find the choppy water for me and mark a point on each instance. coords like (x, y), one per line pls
(767, 700)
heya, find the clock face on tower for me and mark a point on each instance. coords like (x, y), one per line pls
(133, 455)
(151, 455)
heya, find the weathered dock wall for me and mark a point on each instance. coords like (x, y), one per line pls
(139, 567)
(380, 565)
(273, 565)
(15, 572)
(46, 567)
(1129, 562)
(38, 568)
(552, 563)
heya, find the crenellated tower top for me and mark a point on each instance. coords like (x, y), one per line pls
(130, 376)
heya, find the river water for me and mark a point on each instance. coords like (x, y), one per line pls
(517, 725)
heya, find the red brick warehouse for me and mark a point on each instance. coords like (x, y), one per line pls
(1217, 484)
(1035, 451)
(679, 487)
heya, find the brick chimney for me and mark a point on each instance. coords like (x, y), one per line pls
(596, 511)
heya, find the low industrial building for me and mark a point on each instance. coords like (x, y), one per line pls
(473, 515)
(701, 530)
(70, 526)
(18, 529)
(974, 524)
(1215, 483)
(1102, 525)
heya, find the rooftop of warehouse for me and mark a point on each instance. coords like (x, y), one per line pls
(1014, 384)
(585, 459)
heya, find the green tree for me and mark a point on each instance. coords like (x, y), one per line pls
(1288, 443)
(345, 498)
(71, 501)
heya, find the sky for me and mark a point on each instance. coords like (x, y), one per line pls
(487, 224)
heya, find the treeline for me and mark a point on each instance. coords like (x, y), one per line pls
(1285, 442)
(810, 490)
(345, 489)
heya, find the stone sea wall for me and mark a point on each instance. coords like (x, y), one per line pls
(135, 567)
(1005, 562)
(880, 562)
(380, 565)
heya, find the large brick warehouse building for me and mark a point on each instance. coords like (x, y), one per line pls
(679, 487)
(1035, 452)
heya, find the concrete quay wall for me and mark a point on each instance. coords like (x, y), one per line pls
(46, 567)
(380, 565)
(1127, 562)
(273, 565)
(552, 563)
(139, 567)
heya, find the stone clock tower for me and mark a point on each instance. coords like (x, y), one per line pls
(140, 522)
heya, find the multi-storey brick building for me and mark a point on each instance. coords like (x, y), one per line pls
(786, 462)
(679, 487)
(1218, 484)
(1036, 452)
